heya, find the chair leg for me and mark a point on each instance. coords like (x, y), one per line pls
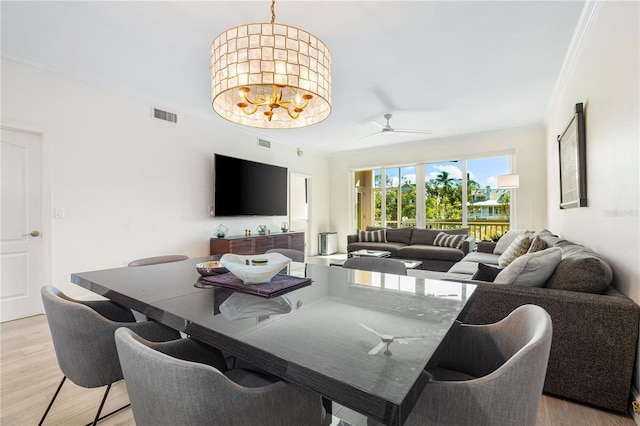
(97, 418)
(55, 395)
(104, 399)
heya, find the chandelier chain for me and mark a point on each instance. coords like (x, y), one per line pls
(273, 11)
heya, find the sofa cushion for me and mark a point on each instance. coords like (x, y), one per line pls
(531, 269)
(449, 240)
(479, 257)
(421, 251)
(399, 235)
(427, 236)
(549, 238)
(463, 267)
(580, 270)
(517, 248)
(378, 236)
(423, 236)
(486, 273)
(505, 241)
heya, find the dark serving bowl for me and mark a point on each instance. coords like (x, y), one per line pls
(213, 267)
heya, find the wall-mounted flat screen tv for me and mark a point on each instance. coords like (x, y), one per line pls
(248, 188)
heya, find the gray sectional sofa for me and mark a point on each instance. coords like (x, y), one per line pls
(595, 327)
(416, 244)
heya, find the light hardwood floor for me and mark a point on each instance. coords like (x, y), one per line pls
(29, 375)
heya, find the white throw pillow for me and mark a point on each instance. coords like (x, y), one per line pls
(532, 269)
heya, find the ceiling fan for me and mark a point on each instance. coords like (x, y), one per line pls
(387, 339)
(387, 129)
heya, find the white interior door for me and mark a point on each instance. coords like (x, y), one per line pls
(299, 206)
(21, 261)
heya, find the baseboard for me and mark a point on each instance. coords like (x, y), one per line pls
(635, 396)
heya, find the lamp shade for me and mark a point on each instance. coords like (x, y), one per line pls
(270, 76)
(508, 181)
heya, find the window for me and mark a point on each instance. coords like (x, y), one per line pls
(489, 208)
(443, 195)
(399, 204)
(391, 196)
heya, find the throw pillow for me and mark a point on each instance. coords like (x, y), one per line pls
(537, 244)
(505, 241)
(448, 240)
(548, 237)
(486, 273)
(378, 236)
(531, 269)
(517, 248)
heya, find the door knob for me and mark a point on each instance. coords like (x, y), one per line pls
(32, 234)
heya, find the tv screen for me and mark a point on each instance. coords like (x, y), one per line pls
(243, 187)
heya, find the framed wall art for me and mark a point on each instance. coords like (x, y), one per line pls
(573, 162)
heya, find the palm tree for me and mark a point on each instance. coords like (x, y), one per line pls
(505, 203)
(471, 184)
(443, 185)
(444, 181)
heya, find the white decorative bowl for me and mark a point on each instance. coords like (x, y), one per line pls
(260, 268)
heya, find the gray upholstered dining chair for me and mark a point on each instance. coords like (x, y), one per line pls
(295, 255)
(154, 261)
(172, 383)
(83, 339)
(376, 264)
(158, 259)
(489, 374)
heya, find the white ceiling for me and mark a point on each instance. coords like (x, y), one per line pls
(452, 67)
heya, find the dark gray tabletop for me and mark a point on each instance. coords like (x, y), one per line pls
(325, 342)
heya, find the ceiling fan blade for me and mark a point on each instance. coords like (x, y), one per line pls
(409, 337)
(371, 330)
(426, 132)
(378, 348)
(406, 341)
(375, 123)
(370, 136)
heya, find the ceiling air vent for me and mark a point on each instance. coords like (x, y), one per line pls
(164, 115)
(264, 144)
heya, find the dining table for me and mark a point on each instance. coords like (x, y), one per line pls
(361, 339)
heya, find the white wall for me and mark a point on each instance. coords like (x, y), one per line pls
(605, 77)
(527, 145)
(132, 186)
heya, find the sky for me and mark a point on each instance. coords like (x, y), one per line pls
(483, 170)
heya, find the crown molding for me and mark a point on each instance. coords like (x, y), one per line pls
(575, 48)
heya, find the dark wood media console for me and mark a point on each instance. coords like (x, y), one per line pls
(256, 244)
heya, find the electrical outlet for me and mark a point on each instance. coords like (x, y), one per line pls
(635, 405)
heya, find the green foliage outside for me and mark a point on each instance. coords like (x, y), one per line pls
(443, 199)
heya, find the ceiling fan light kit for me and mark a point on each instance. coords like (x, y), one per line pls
(270, 76)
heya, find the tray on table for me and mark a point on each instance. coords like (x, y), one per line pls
(280, 284)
